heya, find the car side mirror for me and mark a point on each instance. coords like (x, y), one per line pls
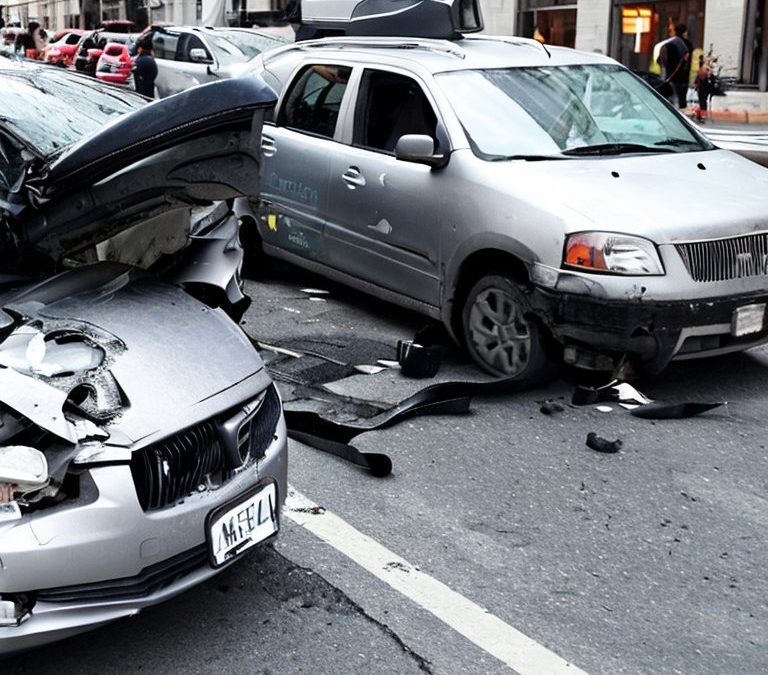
(199, 55)
(419, 148)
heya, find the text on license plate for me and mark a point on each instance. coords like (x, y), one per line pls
(236, 527)
(748, 319)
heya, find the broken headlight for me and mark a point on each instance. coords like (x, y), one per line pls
(611, 253)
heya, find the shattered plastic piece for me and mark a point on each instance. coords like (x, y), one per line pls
(292, 310)
(9, 511)
(584, 395)
(670, 411)
(629, 406)
(604, 408)
(418, 361)
(278, 350)
(369, 370)
(550, 407)
(87, 429)
(317, 299)
(388, 364)
(600, 444)
(628, 394)
(315, 291)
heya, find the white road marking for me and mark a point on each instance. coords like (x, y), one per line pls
(487, 631)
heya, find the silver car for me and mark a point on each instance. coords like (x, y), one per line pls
(189, 55)
(142, 443)
(544, 204)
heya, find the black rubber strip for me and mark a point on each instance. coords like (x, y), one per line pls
(672, 411)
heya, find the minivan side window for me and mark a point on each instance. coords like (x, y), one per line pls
(389, 106)
(313, 102)
(164, 45)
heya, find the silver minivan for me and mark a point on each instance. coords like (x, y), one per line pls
(546, 205)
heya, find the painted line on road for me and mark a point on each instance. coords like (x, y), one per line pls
(487, 631)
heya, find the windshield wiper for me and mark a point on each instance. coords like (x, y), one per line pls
(612, 149)
(677, 141)
(527, 158)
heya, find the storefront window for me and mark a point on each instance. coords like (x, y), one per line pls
(640, 29)
(550, 22)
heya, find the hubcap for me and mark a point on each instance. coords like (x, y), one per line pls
(499, 332)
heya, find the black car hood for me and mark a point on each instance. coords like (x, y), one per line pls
(196, 147)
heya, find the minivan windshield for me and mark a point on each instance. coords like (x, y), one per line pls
(563, 110)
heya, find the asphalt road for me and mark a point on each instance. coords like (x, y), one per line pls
(651, 560)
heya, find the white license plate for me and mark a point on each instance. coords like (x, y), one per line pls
(235, 527)
(748, 319)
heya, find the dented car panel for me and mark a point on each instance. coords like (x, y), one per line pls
(142, 442)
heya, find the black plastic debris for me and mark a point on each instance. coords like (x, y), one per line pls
(418, 361)
(671, 411)
(551, 407)
(600, 444)
(585, 395)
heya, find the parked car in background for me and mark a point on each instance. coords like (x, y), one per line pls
(118, 26)
(115, 65)
(545, 204)
(188, 56)
(92, 45)
(62, 50)
(142, 443)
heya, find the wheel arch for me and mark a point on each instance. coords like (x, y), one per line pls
(464, 273)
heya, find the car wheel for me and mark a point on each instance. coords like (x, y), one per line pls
(501, 334)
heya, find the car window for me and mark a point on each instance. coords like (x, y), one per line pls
(314, 100)
(72, 39)
(546, 110)
(164, 45)
(389, 106)
(186, 44)
(238, 46)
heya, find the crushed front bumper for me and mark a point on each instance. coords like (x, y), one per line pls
(87, 565)
(653, 332)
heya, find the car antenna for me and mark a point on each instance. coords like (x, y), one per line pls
(546, 51)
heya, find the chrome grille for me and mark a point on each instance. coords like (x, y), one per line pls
(724, 259)
(169, 470)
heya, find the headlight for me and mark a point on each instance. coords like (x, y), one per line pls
(611, 253)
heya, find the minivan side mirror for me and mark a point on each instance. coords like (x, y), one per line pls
(199, 55)
(419, 148)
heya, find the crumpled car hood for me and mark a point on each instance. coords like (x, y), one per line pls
(191, 149)
(665, 198)
(102, 331)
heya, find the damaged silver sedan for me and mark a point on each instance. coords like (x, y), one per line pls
(142, 443)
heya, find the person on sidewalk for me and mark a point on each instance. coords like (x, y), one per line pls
(145, 69)
(674, 59)
(703, 85)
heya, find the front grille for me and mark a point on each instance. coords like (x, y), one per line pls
(724, 259)
(150, 580)
(259, 430)
(169, 470)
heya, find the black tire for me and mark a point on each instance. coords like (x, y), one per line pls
(501, 334)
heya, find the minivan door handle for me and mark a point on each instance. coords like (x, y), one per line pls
(353, 178)
(268, 146)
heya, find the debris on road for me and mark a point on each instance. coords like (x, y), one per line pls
(600, 444)
(670, 411)
(551, 407)
(418, 361)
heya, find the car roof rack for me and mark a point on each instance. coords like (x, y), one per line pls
(511, 40)
(441, 46)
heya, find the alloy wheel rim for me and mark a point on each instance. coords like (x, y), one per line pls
(500, 334)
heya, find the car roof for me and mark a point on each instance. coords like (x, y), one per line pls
(206, 30)
(469, 52)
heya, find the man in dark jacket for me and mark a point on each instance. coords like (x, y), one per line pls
(145, 69)
(675, 60)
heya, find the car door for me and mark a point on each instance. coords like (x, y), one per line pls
(384, 213)
(175, 69)
(296, 151)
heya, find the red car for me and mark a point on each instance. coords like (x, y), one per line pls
(115, 64)
(61, 51)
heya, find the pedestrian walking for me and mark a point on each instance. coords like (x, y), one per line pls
(704, 85)
(675, 62)
(145, 68)
(32, 43)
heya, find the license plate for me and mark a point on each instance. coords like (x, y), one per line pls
(748, 319)
(240, 524)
